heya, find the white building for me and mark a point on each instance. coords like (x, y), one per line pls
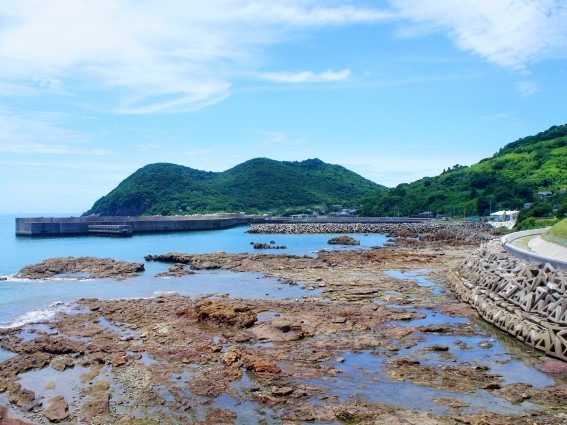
(504, 215)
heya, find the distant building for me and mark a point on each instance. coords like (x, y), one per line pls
(345, 212)
(544, 195)
(504, 215)
(426, 214)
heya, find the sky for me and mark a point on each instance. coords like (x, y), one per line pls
(395, 90)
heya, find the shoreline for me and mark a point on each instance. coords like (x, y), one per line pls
(383, 325)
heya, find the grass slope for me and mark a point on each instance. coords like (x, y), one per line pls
(256, 185)
(558, 233)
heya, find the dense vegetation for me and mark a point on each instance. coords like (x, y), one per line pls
(530, 170)
(257, 185)
(509, 179)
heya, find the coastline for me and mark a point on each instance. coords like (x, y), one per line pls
(370, 322)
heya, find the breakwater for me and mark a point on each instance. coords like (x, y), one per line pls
(62, 226)
(526, 299)
(469, 232)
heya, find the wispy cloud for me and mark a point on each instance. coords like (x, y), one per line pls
(509, 33)
(40, 133)
(277, 138)
(45, 149)
(305, 76)
(172, 57)
(527, 88)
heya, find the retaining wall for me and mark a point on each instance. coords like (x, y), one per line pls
(526, 299)
(508, 243)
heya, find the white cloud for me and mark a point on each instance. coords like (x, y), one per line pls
(175, 56)
(527, 88)
(305, 76)
(40, 133)
(509, 33)
(198, 152)
(277, 138)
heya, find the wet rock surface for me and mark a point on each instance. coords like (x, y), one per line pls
(89, 267)
(368, 348)
(177, 270)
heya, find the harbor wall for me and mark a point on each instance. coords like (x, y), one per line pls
(63, 226)
(526, 299)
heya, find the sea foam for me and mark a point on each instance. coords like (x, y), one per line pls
(36, 316)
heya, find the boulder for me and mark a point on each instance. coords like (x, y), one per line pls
(343, 240)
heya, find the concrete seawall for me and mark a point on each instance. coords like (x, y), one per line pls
(63, 226)
(526, 299)
(508, 243)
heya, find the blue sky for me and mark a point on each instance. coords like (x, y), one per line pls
(90, 91)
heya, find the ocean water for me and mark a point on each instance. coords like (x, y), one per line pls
(25, 301)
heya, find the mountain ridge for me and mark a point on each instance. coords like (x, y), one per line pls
(256, 185)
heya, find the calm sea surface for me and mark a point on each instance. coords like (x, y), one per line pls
(24, 301)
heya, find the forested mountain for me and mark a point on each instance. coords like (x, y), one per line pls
(510, 178)
(257, 185)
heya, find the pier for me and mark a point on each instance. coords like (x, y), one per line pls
(72, 226)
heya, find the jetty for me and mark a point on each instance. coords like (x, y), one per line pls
(126, 226)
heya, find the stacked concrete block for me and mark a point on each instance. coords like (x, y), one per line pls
(527, 300)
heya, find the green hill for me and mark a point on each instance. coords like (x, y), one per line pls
(256, 185)
(509, 179)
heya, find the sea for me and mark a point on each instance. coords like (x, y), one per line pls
(24, 301)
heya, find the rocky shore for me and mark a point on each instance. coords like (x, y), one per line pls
(81, 267)
(380, 339)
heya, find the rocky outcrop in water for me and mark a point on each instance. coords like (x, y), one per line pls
(83, 267)
(260, 245)
(343, 240)
(176, 270)
(527, 300)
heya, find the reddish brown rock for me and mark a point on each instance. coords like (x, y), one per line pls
(217, 313)
(262, 366)
(92, 266)
(57, 409)
(61, 363)
(118, 359)
(20, 396)
(553, 367)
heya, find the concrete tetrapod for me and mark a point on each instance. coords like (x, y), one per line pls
(527, 300)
